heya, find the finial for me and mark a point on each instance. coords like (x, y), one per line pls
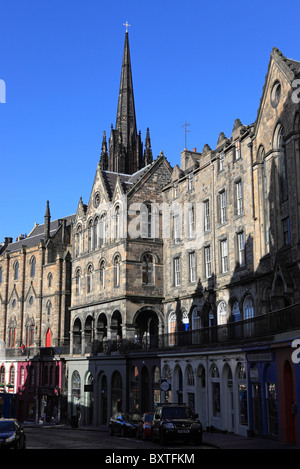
(126, 24)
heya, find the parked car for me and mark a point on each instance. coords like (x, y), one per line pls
(144, 426)
(176, 422)
(12, 434)
(124, 424)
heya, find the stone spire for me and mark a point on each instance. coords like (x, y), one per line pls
(104, 154)
(47, 223)
(125, 145)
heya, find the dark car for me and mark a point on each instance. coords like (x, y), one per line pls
(12, 434)
(124, 424)
(144, 426)
(176, 422)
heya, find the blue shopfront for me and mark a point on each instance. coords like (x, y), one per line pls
(8, 405)
(263, 393)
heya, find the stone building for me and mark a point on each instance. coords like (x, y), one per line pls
(35, 294)
(175, 284)
(117, 267)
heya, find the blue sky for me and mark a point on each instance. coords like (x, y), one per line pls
(197, 62)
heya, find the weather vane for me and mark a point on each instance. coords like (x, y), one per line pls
(126, 24)
(185, 132)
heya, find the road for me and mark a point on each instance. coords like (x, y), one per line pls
(67, 438)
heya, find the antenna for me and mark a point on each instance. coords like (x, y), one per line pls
(185, 132)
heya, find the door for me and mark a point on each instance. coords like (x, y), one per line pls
(48, 338)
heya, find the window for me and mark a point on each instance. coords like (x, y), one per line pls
(279, 145)
(222, 313)
(222, 203)
(207, 261)
(78, 281)
(50, 277)
(265, 201)
(147, 269)
(196, 319)
(96, 233)
(102, 274)
(175, 190)
(102, 230)
(221, 161)
(241, 248)
(224, 256)
(32, 269)
(49, 307)
(206, 216)
(117, 271)
(239, 198)
(237, 151)
(12, 375)
(117, 223)
(177, 231)
(172, 328)
(177, 278)
(248, 307)
(78, 241)
(90, 236)
(191, 213)
(147, 220)
(90, 278)
(16, 269)
(192, 262)
(30, 327)
(286, 231)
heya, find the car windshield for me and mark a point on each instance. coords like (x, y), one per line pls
(177, 413)
(131, 417)
(7, 427)
(148, 418)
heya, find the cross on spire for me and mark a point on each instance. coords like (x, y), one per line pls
(126, 24)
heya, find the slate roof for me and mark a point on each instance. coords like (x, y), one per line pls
(127, 180)
(37, 234)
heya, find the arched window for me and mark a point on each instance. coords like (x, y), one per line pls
(50, 277)
(102, 230)
(117, 271)
(172, 328)
(196, 319)
(90, 236)
(248, 313)
(117, 223)
(96, 233)
(248, 308)
(102, 274)
(216, 396)
(16, 269)
(146, 221)
(78, 241)
(30, 328)
(48, 307)
(12, 375)
(2, 374)
(222, 313)
(90, 279)
(78, 282)
(32, 268)
(190, 378)
(279, 145)
(236, 311)
(147, 269)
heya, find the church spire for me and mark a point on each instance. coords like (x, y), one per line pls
(126, 120)
(125, 145)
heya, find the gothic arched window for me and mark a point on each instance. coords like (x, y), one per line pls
(147, 269)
